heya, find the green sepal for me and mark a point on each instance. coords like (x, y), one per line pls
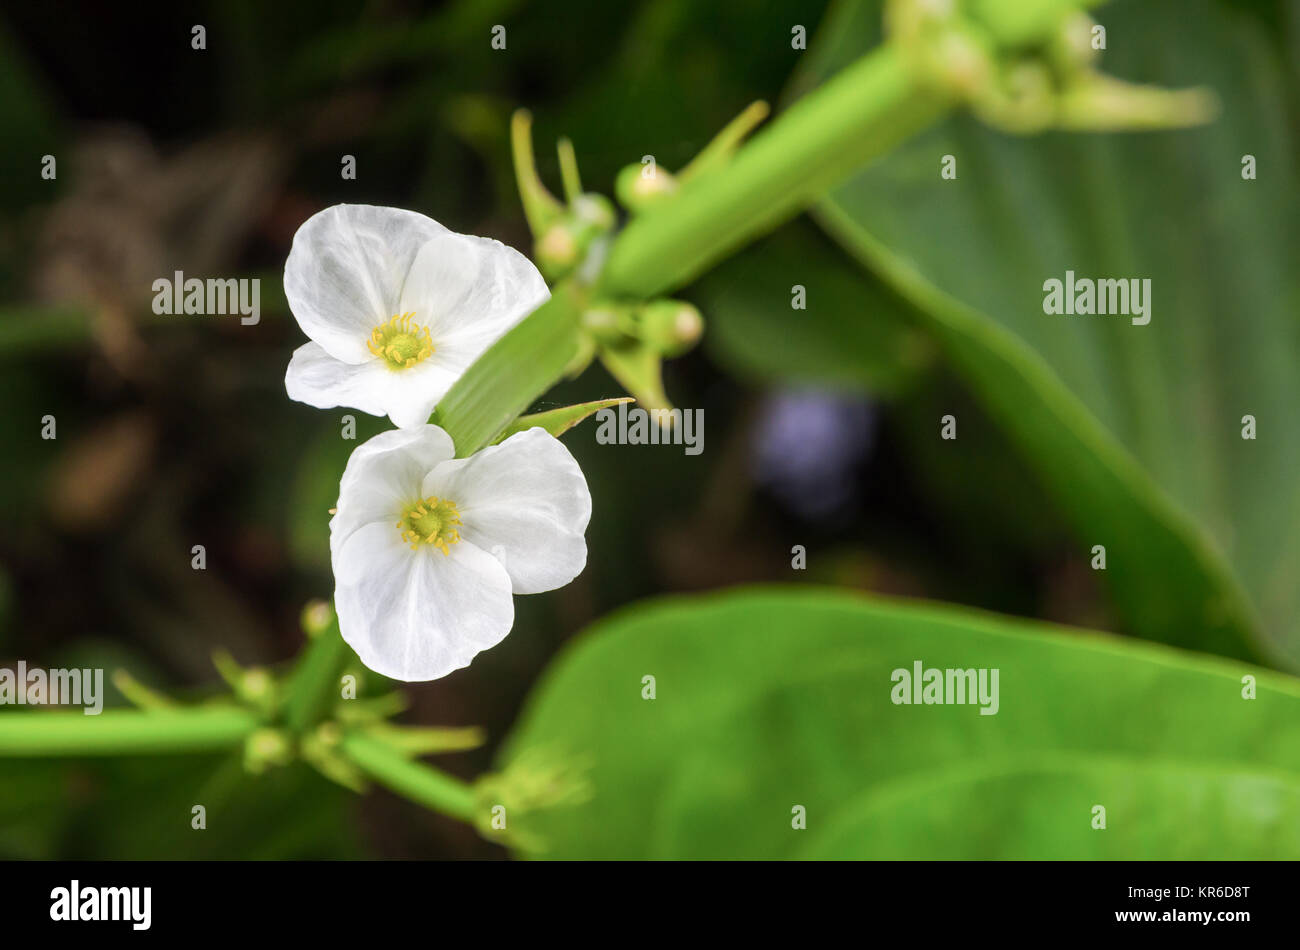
(639, 367)
(559, 421)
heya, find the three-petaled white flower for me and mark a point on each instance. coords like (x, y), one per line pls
(397, 308)
(427, 549)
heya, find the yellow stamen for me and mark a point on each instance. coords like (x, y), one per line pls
(401, 342)
(432, 521)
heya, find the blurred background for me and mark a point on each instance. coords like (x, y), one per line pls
(176, 430)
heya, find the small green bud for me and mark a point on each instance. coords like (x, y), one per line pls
(595, 210)
(264, 748)
(671, 326)
(639, 187)
(257, 685)
(1024, 99)
(1070, 49)
(254, 686)
(329, 734)
(533, 782)
(316, 617)
(906, 20)
(963, 61)
(557, 251)
(564, 245)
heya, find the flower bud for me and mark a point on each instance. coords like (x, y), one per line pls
(316, 617)
(1070, 49)
(595, 210)
(1023, 100)
(671, 326)
(960, 62)
(557, 251)
(637, 190)
(264, 748)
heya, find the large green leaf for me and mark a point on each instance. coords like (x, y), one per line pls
(768, 699)
(1137, 430)
(1151, 809)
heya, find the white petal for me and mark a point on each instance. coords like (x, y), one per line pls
(383, 476)
(469, 291)
(407, 396)
(319, 380)
(345, 272)
(418, 615)
(526, 502)
(412, 393)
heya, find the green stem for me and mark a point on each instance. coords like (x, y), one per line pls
(420, 783)
(863, 112)
(126, 731)
(36, 328)
(315, 681)
(569, 170)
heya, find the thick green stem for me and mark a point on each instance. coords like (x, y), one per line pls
(35, 328)
(125, 732)
(420, 783)
(863, 112)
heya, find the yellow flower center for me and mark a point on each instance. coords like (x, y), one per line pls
(431, 521)
(401, 342)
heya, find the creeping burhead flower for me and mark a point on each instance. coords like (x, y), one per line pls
(429, 549)
(397, 308)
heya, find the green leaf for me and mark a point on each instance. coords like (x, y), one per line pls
(1160, 807)
(770, 698)
(559, 421)
(514, 371)
(1135, 430)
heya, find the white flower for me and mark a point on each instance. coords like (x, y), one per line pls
(397, 308)
(428, 549)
